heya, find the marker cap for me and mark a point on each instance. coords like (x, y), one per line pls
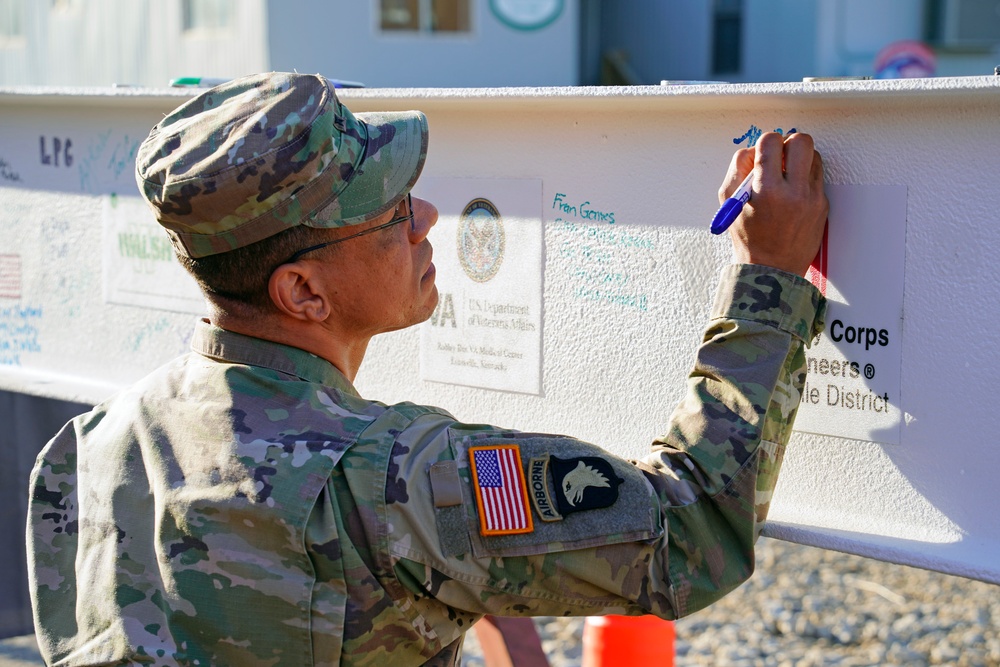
(726, 215)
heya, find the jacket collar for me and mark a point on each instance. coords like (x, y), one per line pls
(228, 346)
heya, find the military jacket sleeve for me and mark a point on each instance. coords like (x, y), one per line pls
(582, 532)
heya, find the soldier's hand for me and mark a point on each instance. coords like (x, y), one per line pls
(782, 224)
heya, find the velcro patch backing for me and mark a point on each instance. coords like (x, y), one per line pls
(634, 516)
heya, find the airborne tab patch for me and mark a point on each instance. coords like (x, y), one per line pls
(538, 470)
(501, 494)
(584, 483)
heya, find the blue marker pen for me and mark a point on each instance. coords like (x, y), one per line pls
(732, 207)
(341, 83)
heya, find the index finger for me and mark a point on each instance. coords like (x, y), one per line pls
(739, 167)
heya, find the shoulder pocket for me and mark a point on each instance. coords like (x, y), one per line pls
(531, 493)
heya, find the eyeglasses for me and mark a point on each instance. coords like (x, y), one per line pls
(408, 215)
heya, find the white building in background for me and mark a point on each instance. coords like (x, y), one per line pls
(457, 43)
(144, 42)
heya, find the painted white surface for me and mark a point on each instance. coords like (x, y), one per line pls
(613, 359)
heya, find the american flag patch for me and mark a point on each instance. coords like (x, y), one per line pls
(501, 494)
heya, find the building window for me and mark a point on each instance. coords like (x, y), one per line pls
(424, 15)
(964, 24)
(11, 20)
(208, 15)
(727, 36)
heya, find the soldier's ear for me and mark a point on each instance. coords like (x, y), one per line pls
(296, 292)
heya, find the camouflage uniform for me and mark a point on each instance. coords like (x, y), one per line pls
(243, 505)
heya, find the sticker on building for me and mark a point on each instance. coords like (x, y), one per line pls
(853, 385)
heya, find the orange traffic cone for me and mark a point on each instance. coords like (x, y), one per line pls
(610, 641)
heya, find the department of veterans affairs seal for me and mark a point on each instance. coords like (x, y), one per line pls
(480, 240)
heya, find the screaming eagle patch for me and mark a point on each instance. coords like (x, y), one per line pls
(584, 483)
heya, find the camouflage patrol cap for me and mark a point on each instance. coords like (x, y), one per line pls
(261, 154)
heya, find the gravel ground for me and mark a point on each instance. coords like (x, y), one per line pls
(19, 652)
(806, 607)
(803, 608)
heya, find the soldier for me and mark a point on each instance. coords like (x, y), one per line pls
(244, 505)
